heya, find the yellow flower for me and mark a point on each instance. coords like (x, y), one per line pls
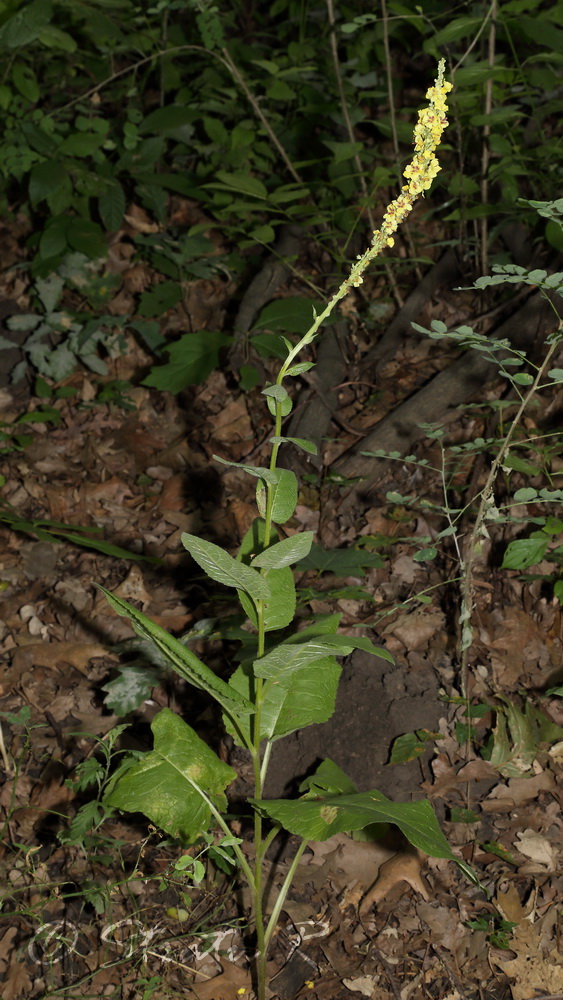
(424, 166)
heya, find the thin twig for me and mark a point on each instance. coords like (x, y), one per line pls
(237, 76)
(227, 62)
(4, 754)
(486, 150)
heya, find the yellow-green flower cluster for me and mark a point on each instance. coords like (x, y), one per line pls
(424, 166)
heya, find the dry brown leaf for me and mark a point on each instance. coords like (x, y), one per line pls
(447, 929)
(7, 942)
(403, 867)
(56, 654)
(416, 629)
(226, 985)
(343, 861)
(509, 905)
(505, 796)
(533, 845)
(361, 984)
(132, 588)
(16, 982)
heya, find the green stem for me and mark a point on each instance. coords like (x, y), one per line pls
(243, 863)
(278, 905)
(265, 762)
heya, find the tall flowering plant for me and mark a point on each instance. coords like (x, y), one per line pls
(285, 682)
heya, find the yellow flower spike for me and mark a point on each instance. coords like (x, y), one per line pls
(420, 173)
(424, 166)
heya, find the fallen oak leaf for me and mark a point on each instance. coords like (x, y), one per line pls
(402, 867)
(17, 981)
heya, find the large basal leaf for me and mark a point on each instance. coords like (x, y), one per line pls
(298, 700)
(162, 784)
(184, 662)
(320, 818)
(220, 566)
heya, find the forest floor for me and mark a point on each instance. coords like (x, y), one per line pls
(112, 917)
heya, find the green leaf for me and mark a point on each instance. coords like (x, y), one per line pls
(329, 779)
(293, 315)
(25, 81)
(342, 151)
(149, 331)
(81, 144)
(425, 555)
(285, 660)
(160, 298)
(296, 701)
(308, 446)
(525, 494)
(556, 374)
(542, 31)
(519, 464)
(220, 566)
(525, 552)
(269, 345)
(459, 27)
(86, 237)
(280, 608)
(243, 183)
(127, 691)
(406, 748)
(192, 359)
(24, 26)
(512, 758)
(46, 178)
(285, 497)
(258, 471)
(182, 660)
(111, 205)
(277, 392)
(54, 38)
(340, 562)
(54, 237)
(164, 784)
(285, 553)
(321, 818)
(99, 545)
(167, 119)
(87, 817)
(288, 658)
